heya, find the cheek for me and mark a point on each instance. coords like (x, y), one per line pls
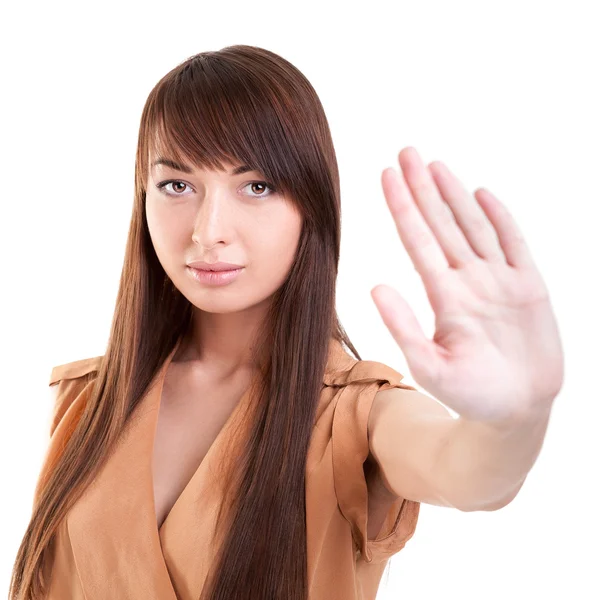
(276, 248)
(166, 232)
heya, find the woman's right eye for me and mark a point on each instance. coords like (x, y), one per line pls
(163, 184)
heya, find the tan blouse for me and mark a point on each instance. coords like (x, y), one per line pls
(109, 546)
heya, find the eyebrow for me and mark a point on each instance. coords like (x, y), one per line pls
(185, 169)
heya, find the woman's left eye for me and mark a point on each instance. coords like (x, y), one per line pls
(263, 184)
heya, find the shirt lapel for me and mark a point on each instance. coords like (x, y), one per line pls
(112, 527)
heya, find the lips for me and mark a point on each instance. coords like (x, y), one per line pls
(216, 266)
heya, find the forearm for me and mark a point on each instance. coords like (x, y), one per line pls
(485, 464)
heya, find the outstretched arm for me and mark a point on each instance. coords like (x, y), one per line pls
(495, 358)
(428, 456)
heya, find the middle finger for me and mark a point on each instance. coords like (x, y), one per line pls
(436, 212)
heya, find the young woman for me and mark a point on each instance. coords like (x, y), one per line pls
(226, 445)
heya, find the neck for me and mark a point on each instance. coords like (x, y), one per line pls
(225, 341)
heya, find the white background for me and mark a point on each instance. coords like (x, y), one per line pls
(505, 93)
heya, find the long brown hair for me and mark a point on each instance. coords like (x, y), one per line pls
(238, 104)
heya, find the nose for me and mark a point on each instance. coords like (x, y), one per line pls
(214, 221)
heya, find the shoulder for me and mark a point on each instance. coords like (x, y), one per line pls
(67, 381)
(343, 369)
(75, 369)
(349, 371)
(358, 387)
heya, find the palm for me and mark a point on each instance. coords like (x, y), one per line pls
(496, 350)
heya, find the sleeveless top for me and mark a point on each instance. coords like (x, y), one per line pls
(109, 545)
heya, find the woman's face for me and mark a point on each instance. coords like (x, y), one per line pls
(221, 216)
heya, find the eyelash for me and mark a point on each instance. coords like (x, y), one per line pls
(162, 184)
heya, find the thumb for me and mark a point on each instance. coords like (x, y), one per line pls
(405, 329)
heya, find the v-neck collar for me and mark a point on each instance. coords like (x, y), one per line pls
(190, 491)
(117, 547)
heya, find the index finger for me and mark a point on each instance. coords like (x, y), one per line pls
(418, 239)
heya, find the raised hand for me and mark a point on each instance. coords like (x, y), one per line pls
(496, 353)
